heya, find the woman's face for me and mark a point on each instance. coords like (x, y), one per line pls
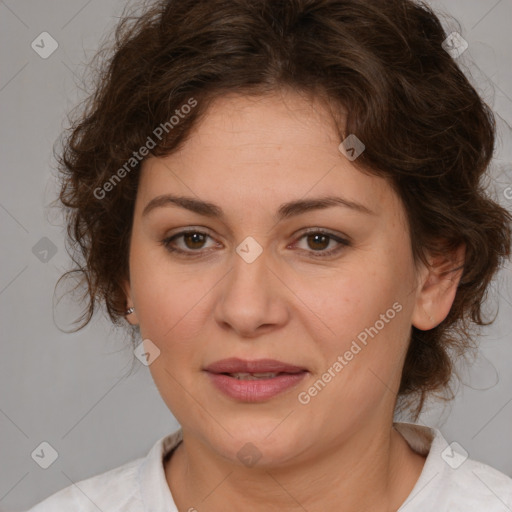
(253, 284)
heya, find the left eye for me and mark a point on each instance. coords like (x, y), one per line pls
(317, 241)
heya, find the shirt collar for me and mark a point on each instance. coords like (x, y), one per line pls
(154, 489)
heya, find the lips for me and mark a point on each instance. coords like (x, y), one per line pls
(234, 366)
(254, 381)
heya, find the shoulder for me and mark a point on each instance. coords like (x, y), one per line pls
(475, 486)
(135, 486)
(116, 489)
(451, 481)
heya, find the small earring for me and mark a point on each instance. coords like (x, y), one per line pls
(129, 311)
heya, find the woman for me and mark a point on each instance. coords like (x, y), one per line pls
(283, 200)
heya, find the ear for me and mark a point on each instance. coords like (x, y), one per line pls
(437, 287)
(132, 317)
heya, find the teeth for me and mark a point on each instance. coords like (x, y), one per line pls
(253, 376)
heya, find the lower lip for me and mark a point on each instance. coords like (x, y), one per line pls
(255, 390)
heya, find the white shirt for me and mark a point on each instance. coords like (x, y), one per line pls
(448, 482)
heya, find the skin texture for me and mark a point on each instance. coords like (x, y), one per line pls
(338, 452)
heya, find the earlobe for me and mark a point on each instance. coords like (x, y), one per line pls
(130, 314)
(437, 289)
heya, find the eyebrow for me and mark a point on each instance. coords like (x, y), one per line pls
(286, 210)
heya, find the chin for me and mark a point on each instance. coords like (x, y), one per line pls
(262, 442)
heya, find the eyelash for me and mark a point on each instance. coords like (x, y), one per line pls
(343, 243)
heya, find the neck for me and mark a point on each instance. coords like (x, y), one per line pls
(367, 472)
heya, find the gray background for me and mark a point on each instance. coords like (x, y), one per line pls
(72, 390)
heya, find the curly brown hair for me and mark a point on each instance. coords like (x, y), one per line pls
(425, 128)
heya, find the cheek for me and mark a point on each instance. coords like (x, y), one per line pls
(362, 360)
(169, 299)
(351, 300)
(171, 310)
(365, 319)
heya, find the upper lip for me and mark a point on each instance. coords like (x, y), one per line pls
(235, 365)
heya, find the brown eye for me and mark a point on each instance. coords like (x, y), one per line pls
(192, 242)
(318, 241)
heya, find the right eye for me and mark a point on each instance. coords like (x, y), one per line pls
(192, 239)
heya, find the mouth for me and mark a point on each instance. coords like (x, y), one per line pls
(254, 381)
(257, 367)
(256, 376)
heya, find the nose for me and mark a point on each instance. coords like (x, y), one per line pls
(252, 299)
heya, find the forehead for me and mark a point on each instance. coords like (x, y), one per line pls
(263, 151)
(283, 120)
